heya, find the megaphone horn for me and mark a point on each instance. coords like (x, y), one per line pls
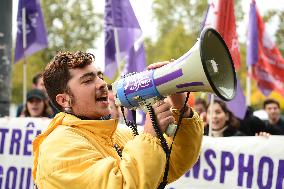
(206, 67)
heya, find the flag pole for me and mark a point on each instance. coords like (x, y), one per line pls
(117, 50)
(24, 58)
(248, 86)
(117, 55)
(211, 114)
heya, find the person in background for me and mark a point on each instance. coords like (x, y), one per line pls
(81, 150)
(200, 107)
(274, 124)
(252, 125)
(39, 84)
(224, 123)
(36, 105)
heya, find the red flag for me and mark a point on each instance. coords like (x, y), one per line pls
(226, 26)
(268, 71)
(270, 58)
(267, 82)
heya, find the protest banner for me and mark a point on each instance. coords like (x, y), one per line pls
(16, 136)
(237, 162)
(226, 162)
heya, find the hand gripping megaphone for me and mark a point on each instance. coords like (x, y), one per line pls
(206, 67)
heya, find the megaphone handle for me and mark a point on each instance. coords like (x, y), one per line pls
(171, 130)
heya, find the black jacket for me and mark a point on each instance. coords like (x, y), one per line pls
(230, 131)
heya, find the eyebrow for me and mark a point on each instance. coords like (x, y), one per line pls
(89, 74)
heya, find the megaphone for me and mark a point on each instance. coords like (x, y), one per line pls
(206, 67)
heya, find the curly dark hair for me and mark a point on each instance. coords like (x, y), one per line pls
(56, 74)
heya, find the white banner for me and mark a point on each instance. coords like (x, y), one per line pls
(229, 162)
(16, 136)
(237, 162)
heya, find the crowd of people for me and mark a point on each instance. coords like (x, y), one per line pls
(224, 123)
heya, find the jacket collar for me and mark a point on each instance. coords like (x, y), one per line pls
(101, 127)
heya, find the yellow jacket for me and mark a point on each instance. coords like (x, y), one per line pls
(74, 153)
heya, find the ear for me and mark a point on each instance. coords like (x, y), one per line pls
(63, 100)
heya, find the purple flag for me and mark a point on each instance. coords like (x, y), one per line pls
(120, 18)
(36, 37)
(252, 43)
(136, 56)
(238, 105)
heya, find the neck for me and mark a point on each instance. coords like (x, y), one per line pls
(87, 118)
(218, 132)
(273, 121)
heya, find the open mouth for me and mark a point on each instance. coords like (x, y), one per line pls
(101, 99)
(215, 122)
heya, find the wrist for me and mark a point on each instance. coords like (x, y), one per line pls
(188, 112)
